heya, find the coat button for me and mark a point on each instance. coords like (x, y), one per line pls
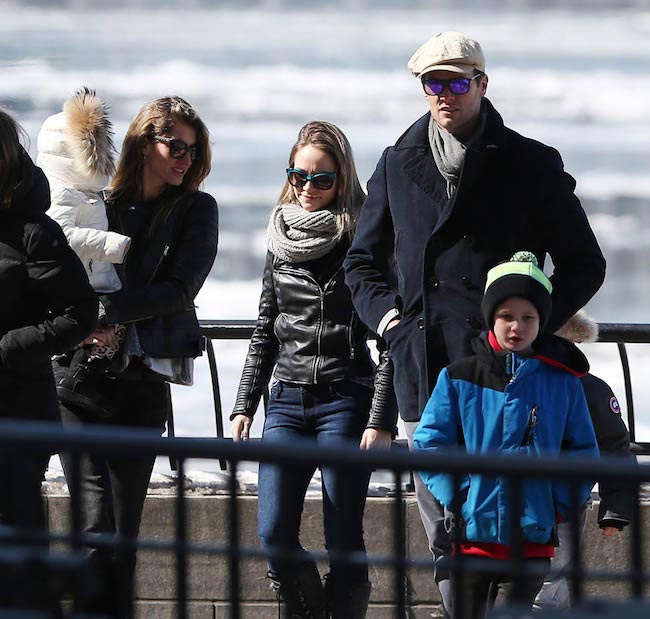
(435, 283)
(467, 281)
(421, 324)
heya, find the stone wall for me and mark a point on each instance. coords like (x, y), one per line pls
(208, 593)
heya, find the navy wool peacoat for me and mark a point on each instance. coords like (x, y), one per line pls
(427, 255)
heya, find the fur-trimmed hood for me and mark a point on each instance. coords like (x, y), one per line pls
(75, 146)
(581, 327)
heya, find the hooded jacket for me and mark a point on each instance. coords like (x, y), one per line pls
(616, 500)
(75, 150)
(496, 402)
(47, 307)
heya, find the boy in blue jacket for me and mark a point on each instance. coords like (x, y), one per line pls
(519, 393)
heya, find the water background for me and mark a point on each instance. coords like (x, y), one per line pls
(577, 78)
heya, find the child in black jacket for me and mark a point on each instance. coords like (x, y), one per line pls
(616, 501)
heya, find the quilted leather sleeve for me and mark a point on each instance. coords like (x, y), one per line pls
(262, 350)
(383, 412)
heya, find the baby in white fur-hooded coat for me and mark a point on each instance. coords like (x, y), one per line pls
(76, 152)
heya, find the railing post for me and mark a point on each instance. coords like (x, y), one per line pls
(636, 541)
(575, 522)
(627, 381)
(216, 395)
(399, 548)
(181, 541)
(233, 543)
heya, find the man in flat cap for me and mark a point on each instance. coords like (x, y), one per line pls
(458, 193)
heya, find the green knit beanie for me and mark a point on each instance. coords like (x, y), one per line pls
(519, 277)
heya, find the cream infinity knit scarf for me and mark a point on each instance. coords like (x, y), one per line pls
(297, 235)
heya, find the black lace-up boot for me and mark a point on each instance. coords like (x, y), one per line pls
(300, 594)
(347, 600)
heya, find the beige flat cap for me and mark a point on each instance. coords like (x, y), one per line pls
(448, 51)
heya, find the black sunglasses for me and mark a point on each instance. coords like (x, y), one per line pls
(457, 85)
(320, 180)
(178, 147)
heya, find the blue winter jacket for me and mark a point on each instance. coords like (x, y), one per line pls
(498, 402)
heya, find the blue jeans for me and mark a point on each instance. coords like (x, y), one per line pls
(323, 415)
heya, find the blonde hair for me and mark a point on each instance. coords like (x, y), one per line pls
(155, 119)
(350, 196)
(10, 156)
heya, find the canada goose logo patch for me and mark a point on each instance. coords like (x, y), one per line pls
(614, 405)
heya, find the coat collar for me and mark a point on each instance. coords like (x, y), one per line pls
(419, 164)
(417, 135)
(549, 349)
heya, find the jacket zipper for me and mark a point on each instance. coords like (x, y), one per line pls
(352, 321)
(162, 257)
(321, 319)
(532, 422)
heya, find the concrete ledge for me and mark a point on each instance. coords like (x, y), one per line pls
(208, 586)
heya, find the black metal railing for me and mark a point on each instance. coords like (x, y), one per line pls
(620, 334)
(67, 565)
(24, 550)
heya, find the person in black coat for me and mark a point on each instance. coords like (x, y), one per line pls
(310, 340)
(616, 499)
(458, 193)
(47, 307)
(154, 200)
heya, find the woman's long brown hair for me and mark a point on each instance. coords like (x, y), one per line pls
(156, 118)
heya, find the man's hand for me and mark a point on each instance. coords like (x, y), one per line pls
(105, 336)
(391, 324)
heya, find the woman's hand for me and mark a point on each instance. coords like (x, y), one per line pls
(105, 336)
(376, 439)
(240, 427)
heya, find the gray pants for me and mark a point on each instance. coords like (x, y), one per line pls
(554, 593)
(432, 516)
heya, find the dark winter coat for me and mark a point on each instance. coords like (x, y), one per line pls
(163, 273)
(48, 306)
(539, 409)
(616, 501)
(428, 255)
(308, 330)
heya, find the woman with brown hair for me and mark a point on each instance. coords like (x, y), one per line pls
(154, 200)
(47, 307)
(310, 338)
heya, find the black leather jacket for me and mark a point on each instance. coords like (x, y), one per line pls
(307, 328)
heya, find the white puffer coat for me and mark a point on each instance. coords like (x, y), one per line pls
(75, 150)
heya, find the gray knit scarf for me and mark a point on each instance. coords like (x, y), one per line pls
(297, 235)
(449, 152)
